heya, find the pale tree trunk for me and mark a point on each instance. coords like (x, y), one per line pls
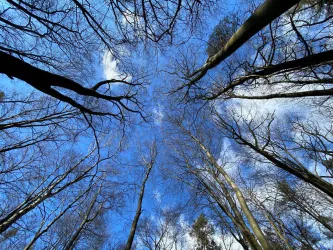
(265, 14)
(242, 202)
(269, 216)
(238, 236)
(237, 218)
(244, 207)
(277, 230)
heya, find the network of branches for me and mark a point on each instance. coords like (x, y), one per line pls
(134, 125)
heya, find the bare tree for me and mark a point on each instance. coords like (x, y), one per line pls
(148, 163)
(166, 232)
(271, 144)
(217, 183)
(260, 18)
(286, 59)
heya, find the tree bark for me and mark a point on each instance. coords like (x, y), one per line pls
(237, 219)
(44, 81)
(265, 14)
(297, 64)
(303, 174)
(138, 211)
(242, 202)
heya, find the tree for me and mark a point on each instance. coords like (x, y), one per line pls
(163, 232)
(246, 137)
(203, 232)
(283, 60)
(302, 199)
(63, 37)
(149, 163)
(221, 34)
(261, 17)
(210, 178)
(64, 109)
(269, 145)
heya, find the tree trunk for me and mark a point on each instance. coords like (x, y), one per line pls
(265, 14)
(242, 202)
(138, 211)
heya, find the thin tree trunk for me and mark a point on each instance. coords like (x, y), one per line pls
(33, 202)
(237, 219)
(277, 230)
(253, 223)
(41, 232)
(138, 211)
(303, 174)
(310, 93)
(70, 245)
(297, 64)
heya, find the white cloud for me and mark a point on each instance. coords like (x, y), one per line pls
(227, 241)
(110, 67)
(158, 114)
(157, 196)
(183, 238)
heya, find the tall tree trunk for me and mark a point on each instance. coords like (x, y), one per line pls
(71, 243)
(303, 174)
(265, 14)
(237, 218)
(242, 202)
(138, 211)
(277, 230)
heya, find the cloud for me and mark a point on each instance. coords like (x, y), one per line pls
(157, 196)
(110, 67)
(158, 114)
(228, 241)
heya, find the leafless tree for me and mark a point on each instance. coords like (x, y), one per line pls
(289, 58)
(272, 143)
(64, 38)
(260, 18)
(166, 232)
(148, 163)
(210, 178)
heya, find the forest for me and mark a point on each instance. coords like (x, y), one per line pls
(166, 124)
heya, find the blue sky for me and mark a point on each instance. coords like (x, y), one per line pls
(160, 193)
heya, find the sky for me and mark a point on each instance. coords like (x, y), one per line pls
(158, 191)
(155, 193)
